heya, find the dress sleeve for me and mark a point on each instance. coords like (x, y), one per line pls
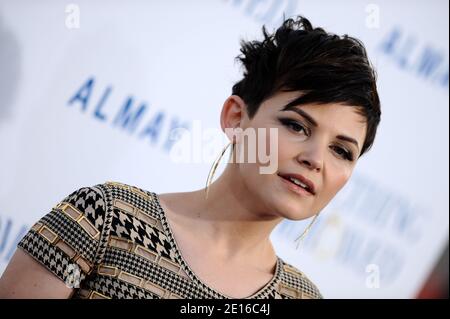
(66, 240)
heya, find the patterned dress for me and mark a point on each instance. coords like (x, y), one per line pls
(113, 240)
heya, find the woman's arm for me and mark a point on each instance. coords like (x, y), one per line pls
(60, 250)
(24, 277)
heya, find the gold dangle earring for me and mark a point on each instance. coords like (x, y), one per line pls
(214, 167)
(300, 238)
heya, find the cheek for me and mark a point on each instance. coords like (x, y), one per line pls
(275, 146)
(272, 143)
(286, 148)
(267, 137)
(334, 181)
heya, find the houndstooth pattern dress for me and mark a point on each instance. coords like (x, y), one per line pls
(113, 240)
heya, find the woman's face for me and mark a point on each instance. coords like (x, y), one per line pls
(310, 145)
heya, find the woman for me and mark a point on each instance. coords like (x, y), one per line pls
(113, 240)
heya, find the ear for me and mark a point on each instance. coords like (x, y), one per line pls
(233, 112)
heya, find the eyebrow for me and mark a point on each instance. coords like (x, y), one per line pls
(313, 122)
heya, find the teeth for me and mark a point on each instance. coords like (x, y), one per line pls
(296, 181)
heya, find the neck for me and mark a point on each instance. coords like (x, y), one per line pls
(231, 218)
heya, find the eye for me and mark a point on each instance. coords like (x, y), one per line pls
(294, 125)
(298, 127)
(343, 153)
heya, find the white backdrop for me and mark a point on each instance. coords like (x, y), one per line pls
(68, 71)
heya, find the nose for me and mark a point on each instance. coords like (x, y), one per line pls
(312, 160)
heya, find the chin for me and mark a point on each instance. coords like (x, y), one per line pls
(296, 209)
(297, 216)
(288, 209)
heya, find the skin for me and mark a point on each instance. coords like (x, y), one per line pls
(230, 236)
(227, 235)
(24, 277)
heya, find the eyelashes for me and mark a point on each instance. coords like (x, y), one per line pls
(298, 128)
(342, 152)
(294, 125)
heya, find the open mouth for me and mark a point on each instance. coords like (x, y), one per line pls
(297, 185)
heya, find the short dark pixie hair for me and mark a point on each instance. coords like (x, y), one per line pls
(325, 67)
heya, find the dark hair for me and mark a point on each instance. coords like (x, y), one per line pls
(326, 67)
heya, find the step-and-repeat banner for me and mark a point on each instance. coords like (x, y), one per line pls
(92, 91)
